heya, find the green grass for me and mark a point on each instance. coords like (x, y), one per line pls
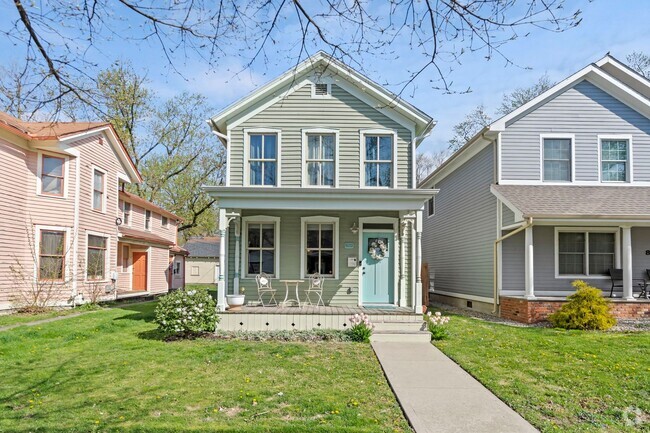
(567, 381)
(110, 372)
(17, 318)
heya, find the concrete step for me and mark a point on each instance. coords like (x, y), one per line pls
(401, 336)
(399, 326)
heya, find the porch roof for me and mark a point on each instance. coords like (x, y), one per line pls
(395, 199)
(560, 201)
(127, 234)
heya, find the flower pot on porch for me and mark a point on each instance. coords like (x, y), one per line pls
(235, 301)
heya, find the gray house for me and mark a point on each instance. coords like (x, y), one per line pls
(555, 191)
(202, 264)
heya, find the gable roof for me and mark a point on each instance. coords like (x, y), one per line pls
(600, 73)
(207, 246)
(281, 87)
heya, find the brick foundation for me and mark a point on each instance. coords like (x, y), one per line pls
(533, 311)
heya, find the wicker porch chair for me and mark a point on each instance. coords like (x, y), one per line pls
(264, 287)
(316, 283)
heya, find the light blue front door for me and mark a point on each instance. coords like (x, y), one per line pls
(377, 268)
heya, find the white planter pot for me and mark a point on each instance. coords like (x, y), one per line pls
(235, 301)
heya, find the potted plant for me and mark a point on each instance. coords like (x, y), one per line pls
(236, 301)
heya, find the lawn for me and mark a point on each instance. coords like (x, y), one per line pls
(16, 318)
(566, 381)
(109, 371)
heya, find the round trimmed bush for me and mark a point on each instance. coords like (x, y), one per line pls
(186, 312)
(585, 309)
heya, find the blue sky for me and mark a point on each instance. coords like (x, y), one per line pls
(619, 27)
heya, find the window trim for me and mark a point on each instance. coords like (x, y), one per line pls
(630, 171)
(278, 155)
(39, 173)
(198, 272)
(107, 254)
(570, 137)
(362, 157)
(326, 96)
(429, 213)
(586, 230)
(128, 268)
(164, 221)
(303, 243)
(93, 169)
(67, 244)
(150, 220)
(124, 213)
(260, 219)
(305, 154)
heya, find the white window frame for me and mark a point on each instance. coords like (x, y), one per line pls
(586, 230)
(164, 221)
(571, 137)
(194, 274)
(329, 91)
(278, 155)
(68, 242)
(303, 243)
(39, 174)
(107, 256)
(305, 154)
(128, 267)
(94, 168)
(629, 173)
(362, 156)
(433, 201)
(150, 220)
(260, 219)
(124, 203)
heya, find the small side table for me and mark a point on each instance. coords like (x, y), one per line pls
(287, 283)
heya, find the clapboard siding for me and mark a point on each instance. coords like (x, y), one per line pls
(457, 241)
(341, 111)
(507, 216)
(585, 111)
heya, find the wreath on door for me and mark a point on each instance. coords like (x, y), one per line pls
(378, 249)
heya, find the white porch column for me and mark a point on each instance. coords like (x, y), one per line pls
(627, 264)
(221, 285)
(404, 225)
(417, 301)
(530, 265)
(237, 253)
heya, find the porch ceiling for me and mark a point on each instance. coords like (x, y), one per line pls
(230, 197)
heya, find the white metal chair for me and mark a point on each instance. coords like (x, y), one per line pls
(264, 287)
(316, 283)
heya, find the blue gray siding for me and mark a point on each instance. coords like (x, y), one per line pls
(507, 216)
(457, 242)
(586, 111)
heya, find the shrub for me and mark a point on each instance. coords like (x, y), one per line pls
(585, 309)
(186, 312)
(361, 328)
(436, 325)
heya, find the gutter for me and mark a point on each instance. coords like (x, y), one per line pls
(495, 272)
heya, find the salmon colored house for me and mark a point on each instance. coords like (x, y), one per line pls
(68, 226)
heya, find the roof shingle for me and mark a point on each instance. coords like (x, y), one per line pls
(207, 246)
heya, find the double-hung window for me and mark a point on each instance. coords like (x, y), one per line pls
(320, 253)
(52, 175)
(261, 244)
(51, 255)
(147, 220)
(557, 159)
(164, 221)
(96, 268)
(263, 158)
(98, 189)
(614, 160)
(126, 213)
(585, 253)
(378, 160)
(321, 160)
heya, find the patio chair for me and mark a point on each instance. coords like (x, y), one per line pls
(264, 287)
(316, 283)
(617, 280)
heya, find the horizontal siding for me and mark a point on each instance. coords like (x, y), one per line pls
(507, 216)
(585, 111)
(206, 270)
(457, 241)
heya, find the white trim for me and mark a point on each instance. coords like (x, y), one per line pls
(144, 220)
(68, 244)
(498, 146)
(305, 153)
(278, 155)
(629, 172)
(325, 96)
(572, 139)
(462, 296)
(107, 254)
(362, 153)
(130, 222)
(122, 177)
(518, 214)
(228, 162)
(303, 242)
(94, 168)
(426, 203)
(395, 231)
(260, 219)
(579, 183)
(66, 173)
(586, 231)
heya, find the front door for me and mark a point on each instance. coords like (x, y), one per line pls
(139, 270)
(377, 268)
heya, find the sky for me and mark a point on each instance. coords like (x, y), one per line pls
(615, 26)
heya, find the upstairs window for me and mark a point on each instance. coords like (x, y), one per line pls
(321, 159)
(147, 220)
(98, 190)
(52, 175)
(126, 213)
(614, 160)
(557, 160)
(164, 221)
(262, 159)
(378, 160)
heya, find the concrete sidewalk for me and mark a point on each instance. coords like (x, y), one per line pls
(439, 396)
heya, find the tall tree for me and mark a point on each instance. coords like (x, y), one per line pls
(473, 122)
(518, 97)
(427, 162)
(640, 62)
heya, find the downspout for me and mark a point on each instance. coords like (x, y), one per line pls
(75, 229)
(495, 273)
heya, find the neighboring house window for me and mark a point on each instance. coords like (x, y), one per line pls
(96, 257)
(262, 159)
(378, 163)
(98, 190)
(321, 159)
(557, 160)
(51, 255)
(431, 204)
(320, 255)
(195, 271)
(126, 213)
(177, 269)
(164, 221)
(147, 220)
(260, 248)
(614, 160)
(586, 253)
(52, 175)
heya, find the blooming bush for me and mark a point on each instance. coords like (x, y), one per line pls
(585, 309)
(436, 325)
(361, 328)
(186, 312)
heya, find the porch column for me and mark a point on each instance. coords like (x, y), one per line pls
(417, 302)
(530, 266)
(627, 264)
(404, 225)
(237, 253)
(221, 285)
